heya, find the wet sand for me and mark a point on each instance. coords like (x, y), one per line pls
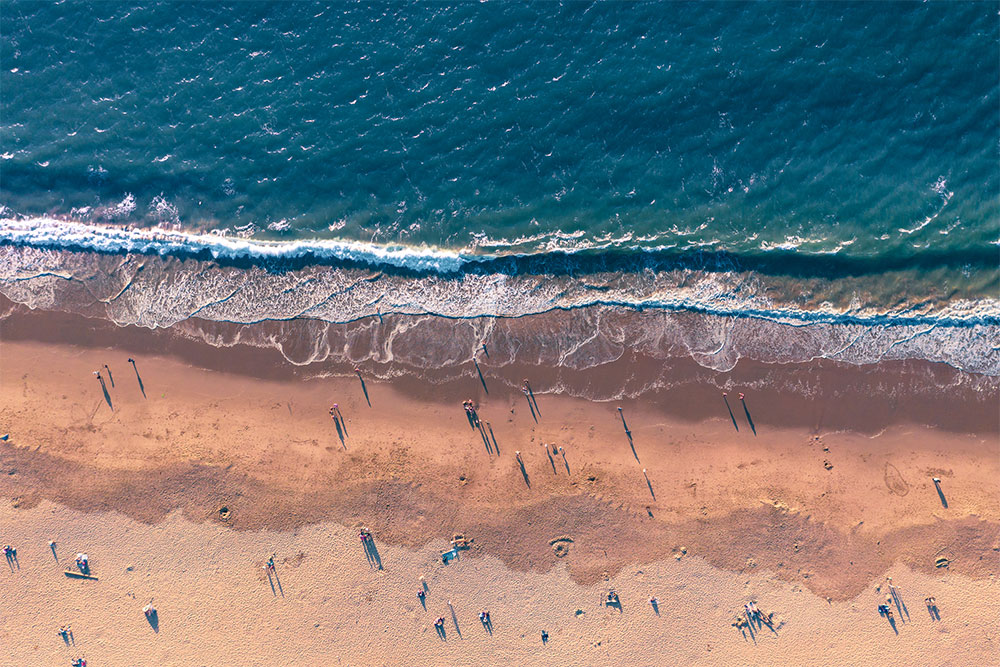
(801, 512)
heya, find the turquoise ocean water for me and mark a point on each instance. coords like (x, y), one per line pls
(830, 164)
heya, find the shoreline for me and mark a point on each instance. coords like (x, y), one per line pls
(819, 395)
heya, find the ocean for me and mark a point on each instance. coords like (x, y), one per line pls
(779, 182)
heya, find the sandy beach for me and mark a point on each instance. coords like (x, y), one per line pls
(551, 333)
(181, 495)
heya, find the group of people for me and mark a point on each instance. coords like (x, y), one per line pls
(470, 413)
(83, 562)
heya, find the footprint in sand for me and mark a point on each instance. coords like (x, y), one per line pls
(894, 481)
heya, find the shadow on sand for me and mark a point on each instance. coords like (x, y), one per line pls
(138, 377)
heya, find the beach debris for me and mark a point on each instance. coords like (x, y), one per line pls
(780, 506)
(460, 541)
(579, 612)
(560, 545)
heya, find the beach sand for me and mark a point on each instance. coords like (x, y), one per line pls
(805, 519)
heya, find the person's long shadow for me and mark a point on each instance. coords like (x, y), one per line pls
(534, 401)
(277, 580)
(652, 493)
(749, 418)
(892, 622)
(731, 415)
(423, 602)
(900, 605)
(54, 555)
(486, 439)
(441, 632)
(488, 624)
(454, 619)
(154, 620)
(104, 388)
(524, 473)
(932, 609)
(340, 432)
(944, 501)
(372, 552)
(656, 606)
(531, 405)
(552, 461)
(565, 463)
(270, 580)
(493, 438)
(632, 445)
(481, 378)
(364, 388)
(138, 377)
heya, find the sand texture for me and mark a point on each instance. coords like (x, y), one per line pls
(180, 495)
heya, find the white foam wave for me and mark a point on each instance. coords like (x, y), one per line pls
(67, 235)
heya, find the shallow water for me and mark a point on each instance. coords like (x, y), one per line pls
(827, 169)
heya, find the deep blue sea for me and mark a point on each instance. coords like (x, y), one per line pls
(839, 159)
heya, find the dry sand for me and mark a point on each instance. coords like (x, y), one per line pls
(216, 607)
(790, 517)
